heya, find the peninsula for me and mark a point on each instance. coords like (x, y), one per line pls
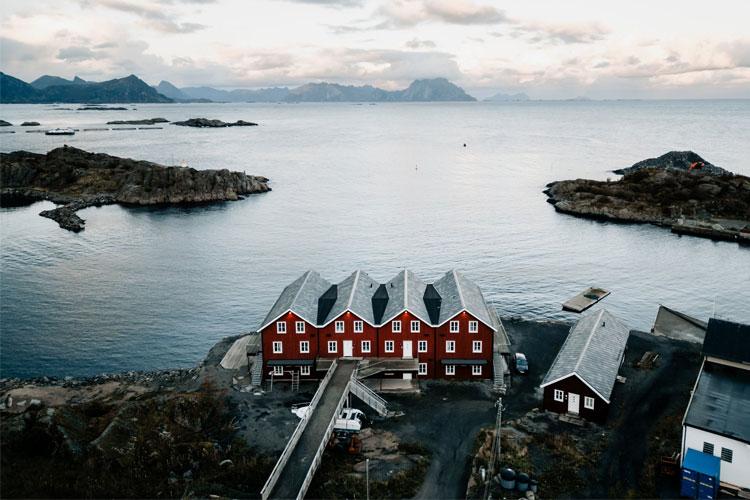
(77, 179)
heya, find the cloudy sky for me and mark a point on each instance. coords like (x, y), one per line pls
(546, 48)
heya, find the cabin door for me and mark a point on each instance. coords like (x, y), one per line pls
(574, 403)
(407, 349)
(348, 348)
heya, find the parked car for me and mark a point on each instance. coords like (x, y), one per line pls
(349, 420)
(520, 363)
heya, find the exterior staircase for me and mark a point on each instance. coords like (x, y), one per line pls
(499, 369)
(256, 372)
(369, 397)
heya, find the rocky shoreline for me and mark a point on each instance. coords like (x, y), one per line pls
(77, 179)
(206, 123)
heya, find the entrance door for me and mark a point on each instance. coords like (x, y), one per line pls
(348, 348)
(407, 376)
(407, 349)
(574, 403)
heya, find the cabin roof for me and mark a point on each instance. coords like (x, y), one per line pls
(299, 297)
(460, 294)
(727, 340)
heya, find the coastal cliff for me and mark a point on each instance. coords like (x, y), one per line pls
(77, 179)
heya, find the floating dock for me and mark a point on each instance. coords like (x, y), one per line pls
(585, 299)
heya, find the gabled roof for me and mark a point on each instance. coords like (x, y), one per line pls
(592, 352)
(300, 297)
(460, 294)
(727, 340)
(405, 293)
(354, 294)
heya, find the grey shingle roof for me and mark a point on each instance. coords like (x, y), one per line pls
(355, 294)
(592, 351)
(300, 297)
(395, 289)
(459, 293)
(406, 292)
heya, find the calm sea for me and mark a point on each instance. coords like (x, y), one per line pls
(377, 187)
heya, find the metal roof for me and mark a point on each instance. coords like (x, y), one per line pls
(406, 292)
(460, 294)
(721, 402)
(355, 295)
(727, 340)
(592, 351)
(300, 297)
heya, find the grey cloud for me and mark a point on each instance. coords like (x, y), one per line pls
(153, 16)
(602, 64)
(560, 34)
(334, 3)
(416, 43)
(77, 53)
(407, 13)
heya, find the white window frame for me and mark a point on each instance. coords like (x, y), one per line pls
(368, 345)
(304, 371)
(422, 369)
(359, 326)
(476, 369)
(390, 343)
(339, 327)
(396, 326)
(299, 327)
(588, 402)
(559, 395)
(476, 346)
(455, 326)
(422, 346)
(450, 370)
(450, 346)
(335, 347)
(281, 327)
(414, 326)
(278, 347)
(278, 371)
(304, 347)
(473, 326)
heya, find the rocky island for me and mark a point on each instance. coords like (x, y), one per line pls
(679, 190)
(206, 123)
(145, 121)
(78, 179)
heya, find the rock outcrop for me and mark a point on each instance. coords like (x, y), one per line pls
(30, 124)
(3, 123)
(145, 121)
(206, 123)
(77, 179)
(686, 161)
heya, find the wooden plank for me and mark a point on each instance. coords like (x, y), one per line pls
(585, 299)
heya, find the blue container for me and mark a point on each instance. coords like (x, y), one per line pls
(689, 484)
(700, 475)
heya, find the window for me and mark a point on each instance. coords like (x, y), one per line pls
(415, 326)
(281, 327)
(278, 370)
(339, 327)
(476, 346)
(708, 448)
(726, 455)
(450, 369)
(422, 369)
(359, 327)
(588, 403)
(476, 370)
(450, 346)
(304, 347)
(299, 327)
(388, 346)
(559, 395)
(332, 346)
(422, 346)
(304, 370)
(396, 326)
(473, 326)
(365, 346)
(454, 327)
(277, 349)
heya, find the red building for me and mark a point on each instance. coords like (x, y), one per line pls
(404, 328)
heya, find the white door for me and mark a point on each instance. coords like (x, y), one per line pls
(407, 376)
(574, 403)
(407, 349)
(348, 348)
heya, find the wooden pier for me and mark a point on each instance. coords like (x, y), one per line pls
(585, 299)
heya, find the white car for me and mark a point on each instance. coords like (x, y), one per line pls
(349, 420)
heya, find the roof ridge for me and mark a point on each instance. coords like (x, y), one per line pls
(354, 288)
(588, 341)
(406, 289)
(458, 287)
(299, 290)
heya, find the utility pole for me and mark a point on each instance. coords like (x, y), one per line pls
(367, 476)
(496, 448)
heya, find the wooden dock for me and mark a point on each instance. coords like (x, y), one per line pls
(585, 299)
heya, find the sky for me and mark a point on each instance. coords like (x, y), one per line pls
(548, 49)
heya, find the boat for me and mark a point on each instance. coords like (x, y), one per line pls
(60, 131)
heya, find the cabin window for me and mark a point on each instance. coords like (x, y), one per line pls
(389, 346)
(450, 369)
(454, 327)
(359, 327)
(299, 327)
(339, 327)
(422, 346)
(281, 327)
(588, 403)
(365, 346)
(559, 395)
(396, 326)
(415, 327)
(476, 346)
(476, 370)
(332, 346)
(278, 371)
(708, 448)
(473, 326)
(450, 346)
(304, 347)
(726, 455)
(304, 370)
(277, 349)
(422, 369)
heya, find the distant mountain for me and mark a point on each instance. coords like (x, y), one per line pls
(435, 89)
(274, 94)
(333, 92)
(48, 81)
(500, 97)
(128, 89)
(168, 90)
